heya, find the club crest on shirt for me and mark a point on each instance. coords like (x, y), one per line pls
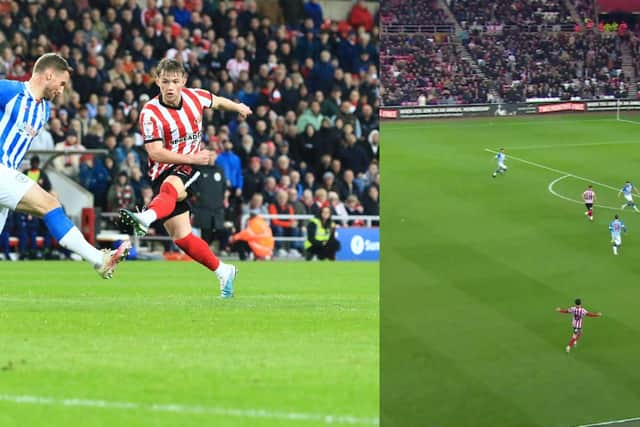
(147, 128)
(27, 130)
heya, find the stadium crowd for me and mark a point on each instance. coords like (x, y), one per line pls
(312, 83)
(507, 62)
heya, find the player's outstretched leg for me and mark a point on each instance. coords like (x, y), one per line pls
(36, 200)
(69, 237)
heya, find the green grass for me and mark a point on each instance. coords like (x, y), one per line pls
(299, 338)
(473, 267)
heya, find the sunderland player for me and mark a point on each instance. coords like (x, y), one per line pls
(578, 312)
(500, 158)
(24, 111)
(171, 125)
(628, 189)
(589, 197)
(616, 228)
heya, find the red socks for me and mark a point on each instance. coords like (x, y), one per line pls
(165, 202)
(573, 341)
(198, 249)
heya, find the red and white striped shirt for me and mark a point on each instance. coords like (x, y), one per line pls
(179, 129)
(578, 314)
(589, 196)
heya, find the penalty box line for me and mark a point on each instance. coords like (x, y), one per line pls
(612, 422)
(558, 171)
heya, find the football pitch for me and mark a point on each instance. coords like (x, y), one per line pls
(473, 267)
(155, 346)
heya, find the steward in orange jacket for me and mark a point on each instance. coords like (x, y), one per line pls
(257, 238)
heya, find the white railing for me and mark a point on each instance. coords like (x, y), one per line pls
(341, 220)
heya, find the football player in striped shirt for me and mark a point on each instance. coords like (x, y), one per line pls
(627, 190)
(616, 228)
(24, 111)
(578, 312)
(171, 126)
(500, 158)
(589, 197)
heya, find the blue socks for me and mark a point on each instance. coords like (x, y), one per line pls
(58, 223)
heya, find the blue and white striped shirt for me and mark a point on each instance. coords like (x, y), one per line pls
(21, 119)
(627, 189)
(617, 227)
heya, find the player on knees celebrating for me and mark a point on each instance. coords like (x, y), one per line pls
(24, 111)
(171, 125)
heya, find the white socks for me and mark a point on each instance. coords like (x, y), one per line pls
(75, 241)
(147, 216)
(222, 270)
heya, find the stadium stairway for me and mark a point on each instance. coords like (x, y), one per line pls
(572, 9)
(455, 39)
(629, 70)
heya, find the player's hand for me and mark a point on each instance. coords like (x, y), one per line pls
(558, 309)
(599, 314)
(204, 157)
(243, 110)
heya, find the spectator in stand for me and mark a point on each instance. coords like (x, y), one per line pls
(121, 194)
(253, 179)
(232, 166)
(360, 16)
(370, 202)
(284, 227)
(68, 164)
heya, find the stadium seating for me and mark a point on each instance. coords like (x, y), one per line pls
(502, 51)
(295, 57)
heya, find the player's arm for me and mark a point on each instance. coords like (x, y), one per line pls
(594, 314)
(225, 104)
(158, 153)
(562, 310)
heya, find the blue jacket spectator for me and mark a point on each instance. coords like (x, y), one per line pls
(322, 74)
(313, 9)
(232, 166)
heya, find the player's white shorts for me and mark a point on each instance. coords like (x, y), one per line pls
(617, 240)
(629, 197)
(501, 165)
(13, 186)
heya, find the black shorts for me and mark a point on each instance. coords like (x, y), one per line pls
(188, 175)
(577, 331)
(589, 205)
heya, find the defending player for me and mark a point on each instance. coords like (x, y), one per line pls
(500, 158)
(171, 125)
(628, 189)
(589, 197)
(616, 228)
(578, 313)
(24, 111)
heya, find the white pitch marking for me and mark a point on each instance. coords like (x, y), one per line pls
(584, 144)
(561, 172)
(628, 121)
(185, 409)
(552, 191)
(608, 423)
